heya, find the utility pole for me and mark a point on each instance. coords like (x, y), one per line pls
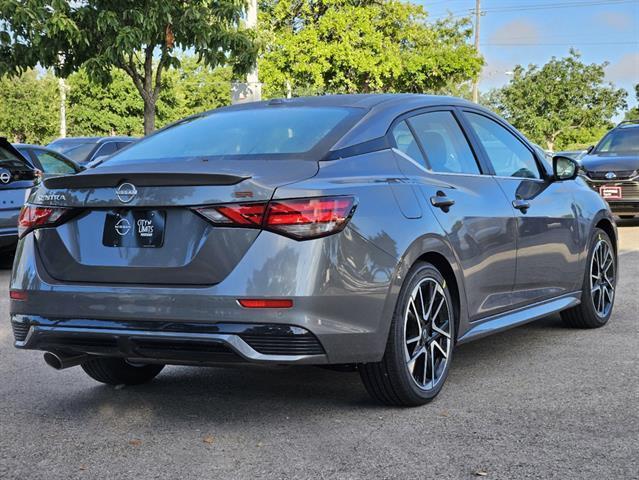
(477, 17)
(251, 91)
(62, 87)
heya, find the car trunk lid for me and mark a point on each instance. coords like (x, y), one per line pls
(136, 223)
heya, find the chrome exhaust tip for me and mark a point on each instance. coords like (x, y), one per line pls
(60, 361)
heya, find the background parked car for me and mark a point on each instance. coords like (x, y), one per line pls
(574, 154)
(47, 160)
(17, 176)
(612, 168)
(86, 149)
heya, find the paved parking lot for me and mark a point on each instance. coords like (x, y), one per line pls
(540, 401)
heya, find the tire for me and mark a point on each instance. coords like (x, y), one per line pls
(392, 381)
(116, 371)
(588, 313)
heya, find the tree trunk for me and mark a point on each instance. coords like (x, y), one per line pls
(149, 116)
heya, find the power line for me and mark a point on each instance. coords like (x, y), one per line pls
(517, 8)
(532, 44)
(539, 6)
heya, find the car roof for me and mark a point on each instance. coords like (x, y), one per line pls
(628, 124)
(382, 109)
(46, 149)
(365, 100)
(29, 145)
(93, 139)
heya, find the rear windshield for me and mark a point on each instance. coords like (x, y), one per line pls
(74, 150)
(622, 140)
(271, 132)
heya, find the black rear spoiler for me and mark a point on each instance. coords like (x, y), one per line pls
(142, 179)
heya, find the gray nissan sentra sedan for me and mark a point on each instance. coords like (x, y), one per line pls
(374, 231)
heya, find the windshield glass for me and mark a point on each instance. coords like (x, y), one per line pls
(622, 140)
(282, 132)
(76, 151)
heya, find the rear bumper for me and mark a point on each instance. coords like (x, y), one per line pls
(624, 207)
(341, 288)
(170, 342)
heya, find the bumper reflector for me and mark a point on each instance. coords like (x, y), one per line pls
(265, 303)
(18, 295)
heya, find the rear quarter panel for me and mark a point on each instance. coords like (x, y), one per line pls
(391, 218)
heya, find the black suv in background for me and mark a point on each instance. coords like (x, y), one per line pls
(83, 150)
(612, 168)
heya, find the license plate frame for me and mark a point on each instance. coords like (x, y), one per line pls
(611, 192)
(134, 228)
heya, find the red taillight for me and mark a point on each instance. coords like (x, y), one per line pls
(300, 218)
(237, 214)
(32, 216)
(249, 214)
(265, 303)
(309, 217)
(18, 295)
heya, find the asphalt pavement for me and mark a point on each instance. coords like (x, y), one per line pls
(540, 401)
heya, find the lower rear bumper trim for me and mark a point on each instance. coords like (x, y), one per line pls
(183, 346)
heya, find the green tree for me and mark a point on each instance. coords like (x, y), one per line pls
(633, 113)
(563, 98)
(197, 88)
(29, 107)
(95, 109)
(117, 109)
(361, 46)
(140, 38)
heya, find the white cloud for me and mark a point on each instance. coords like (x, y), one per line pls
(615, 20)
(625, 70)
(516, 31)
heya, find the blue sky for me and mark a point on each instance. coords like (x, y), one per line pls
(532, 31)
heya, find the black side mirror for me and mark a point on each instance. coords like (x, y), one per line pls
(590, 148)
(564, 168)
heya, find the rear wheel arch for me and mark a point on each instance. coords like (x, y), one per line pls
(442, 264)
(607, 226)
(432, 248)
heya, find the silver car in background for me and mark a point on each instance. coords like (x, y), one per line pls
(377, 231)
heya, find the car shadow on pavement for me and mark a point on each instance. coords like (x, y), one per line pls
(272, 394)
(6, 261)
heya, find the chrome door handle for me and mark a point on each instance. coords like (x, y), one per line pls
(442, 201)
(521, 204)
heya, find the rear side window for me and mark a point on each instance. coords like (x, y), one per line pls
(508, 155)
(407, 144)
(51, 163)
(280, 132)
(446, 147)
